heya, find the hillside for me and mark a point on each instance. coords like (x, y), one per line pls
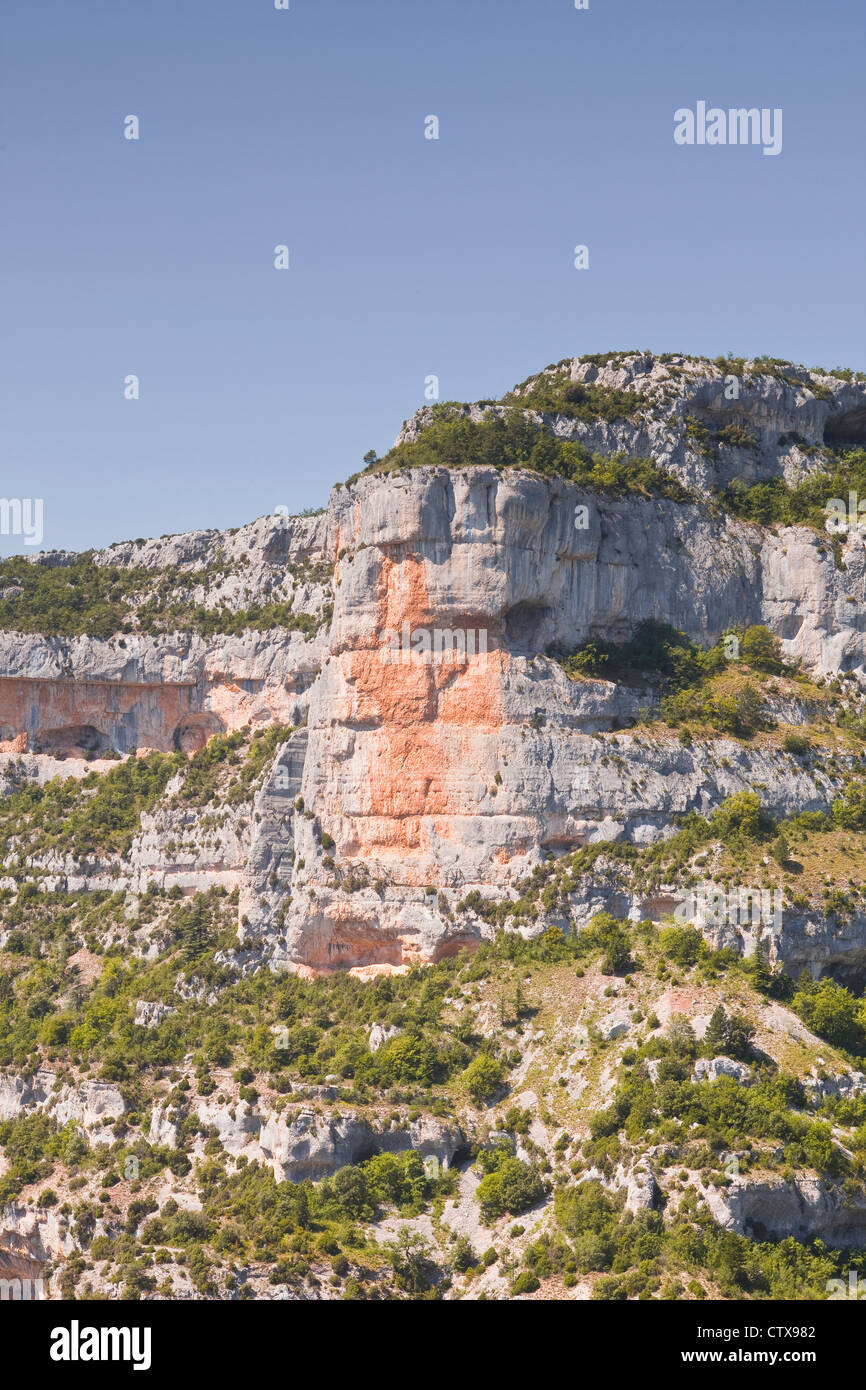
(458, 892)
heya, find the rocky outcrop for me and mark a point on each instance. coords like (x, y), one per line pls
(268, 872)
(379, 1034)
(807, 1208)
(163, 1125)
(90, 1105)
(641, 1188)
(823, 945)
(306, 1143)
(150, 1014)
(81, 695)
(427, 772)
(29, 1240)
(255, 549)
(461, 775)
(839, 1085)
(788, 416)
(312, 1146)
(711, 1069)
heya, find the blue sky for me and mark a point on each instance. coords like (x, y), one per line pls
(409, 257)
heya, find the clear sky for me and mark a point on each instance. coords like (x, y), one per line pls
(408, 257)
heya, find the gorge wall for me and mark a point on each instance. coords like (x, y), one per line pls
(419, 778)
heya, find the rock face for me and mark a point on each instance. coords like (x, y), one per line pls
(459, 775)
(848, 1085)
(175, 691)
(807, 1208)
(380, 1034)
(442, 751)
(150, 1015)
(711, 1070)
(90, 1106)
(615, 1026)
(642, 1192)
(314, 1147)
(89, 696)
(410, 751)
(29, 1239)
(306, 1144)
(788, 416)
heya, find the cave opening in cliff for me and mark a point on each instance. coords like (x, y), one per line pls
(847, 430)
(192, 736)
(72, 740)
(528, 628)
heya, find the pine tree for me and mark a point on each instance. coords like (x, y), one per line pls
(730, 1037)
(195, 932)
(762, 975)
(518, 1000)
(716, 1035)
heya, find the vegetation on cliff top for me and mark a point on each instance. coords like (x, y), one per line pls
(505, 438)
(91, 600)
(512, 441)
(685, 673)
(100, 814)
(554, 393)
(776, 503)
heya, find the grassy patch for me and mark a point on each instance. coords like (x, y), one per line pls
(100, 601)
(515, 442)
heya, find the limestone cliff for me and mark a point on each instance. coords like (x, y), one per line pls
(584, 664)
(436, 776)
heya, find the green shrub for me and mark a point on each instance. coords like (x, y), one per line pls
(740, 819)
(832, 1012)
(483, 1077)
(513, 441)
(464, 1256)
(682, 944)
(849, 810)
(525, 1283)
(797, 744)
(609, 935)
(731, 1035)
(654, 648)
(760, 649)
(513, 1187)
(409, 1057)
